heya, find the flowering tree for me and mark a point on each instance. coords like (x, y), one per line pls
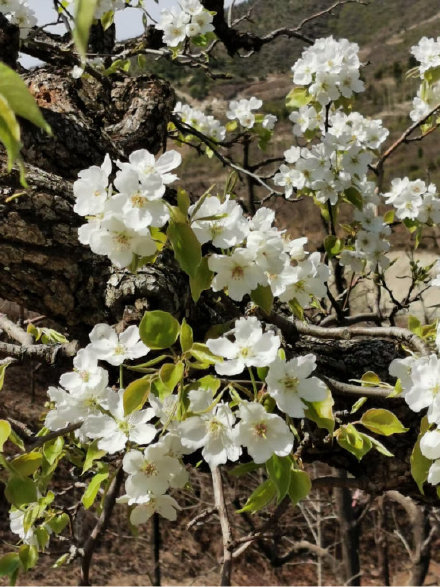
(203, 328)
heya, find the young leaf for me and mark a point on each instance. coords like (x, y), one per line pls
(19, 98)
(20, 491)
(201, 279)
(300, 486)
(382, 422)
(278, 469)
(27, 464)
(262, 296)
(136, 394)
(170, 375)
(29, 555)
(321, 413)
(353, 441)
(259, 498)
(419, 463)
(5, 431)
(186, 336)
(92, 490)
(158, 329)
(84, 15)
(186, 247)
(93, 453)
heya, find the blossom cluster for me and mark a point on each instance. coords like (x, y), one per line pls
(329, 69)
(420, 382)
(121, 215)
(427, 53)
(211, 423)
(188, 20)
(243, 111)
(20, 13)
(259, 254)
(414, 200)
(368, 252)
(206, 124)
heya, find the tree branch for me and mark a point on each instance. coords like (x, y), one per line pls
(219, 500)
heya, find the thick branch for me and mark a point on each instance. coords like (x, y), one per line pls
(219, 500)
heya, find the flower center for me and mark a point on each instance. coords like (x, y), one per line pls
(261, 429)
(137, 201)
(290, 383)
(150, 469)
(119, 349)
(237, 272)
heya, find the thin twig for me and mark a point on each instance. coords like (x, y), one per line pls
(100, 526)
(219, 500)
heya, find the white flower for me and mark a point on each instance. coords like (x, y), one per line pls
(114, 348)
(434, 473)
(225, 224)
(213, 432)
(164, 505)
(150, 472)
(251, 348)
(114, 239)
(91, 189)
(430, 444)
(86, 374)
(114, 430)
(242, 110)
(269, 121)
(423, 388)
(261, 433)
(238, 272)
(288, 382)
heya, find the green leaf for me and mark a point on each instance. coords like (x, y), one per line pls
(19, 98)
(379, 446)
(353, 441)
(358, 404)
(20, 491)
(388, 217)
(158, 329)
(354, 196)
(92, 489)
(183, 201)
(9, 131)
(231, 125)
(186, 336)
(171, 374)
(84, 15)
(2, 374)
(93, 453)
(28, 556)
(297, 309)
(262, 296)
(201, 279)
(58, 523)
(27, 464)
(382, 422)
(259, 498)
(5, 431)
(300, 486)
(186, 247)
(370, 379)
(278, 469)
(9, 565)
(419, 463)
(53, 449)
(243, 469)
(202, 353)
(297, 97)
(333, 245)
(136, 394)
(322, 413)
